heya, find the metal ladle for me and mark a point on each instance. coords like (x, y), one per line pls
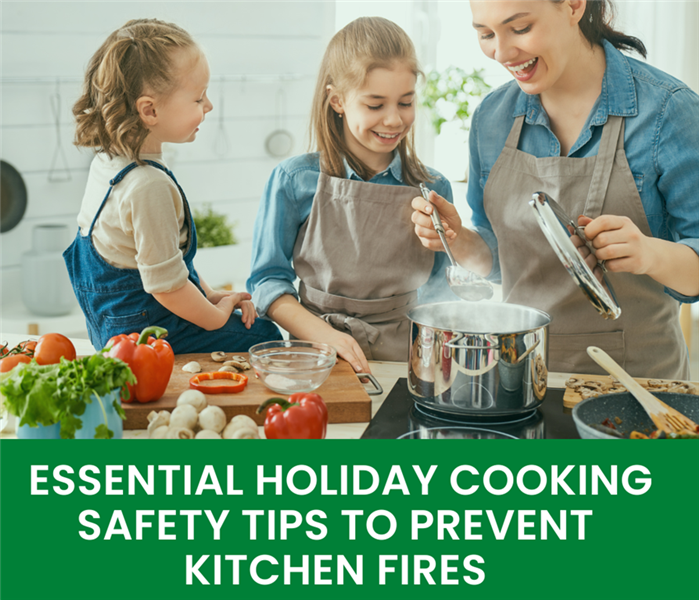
(466, 284)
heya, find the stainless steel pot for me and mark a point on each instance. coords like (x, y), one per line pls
(478, 359)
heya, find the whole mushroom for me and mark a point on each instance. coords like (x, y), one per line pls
(194, 397)
(212, 418)
(185, 416)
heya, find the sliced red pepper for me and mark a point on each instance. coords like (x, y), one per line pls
(303, 416)
(227, 388)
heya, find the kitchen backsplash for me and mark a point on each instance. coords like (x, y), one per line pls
(258, 52)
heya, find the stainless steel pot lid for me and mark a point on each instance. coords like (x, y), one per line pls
(556, 232)
(13, 197)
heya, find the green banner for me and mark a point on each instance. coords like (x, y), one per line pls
(489, 519)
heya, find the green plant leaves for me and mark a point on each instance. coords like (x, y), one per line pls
(213, 228)
(447, 95)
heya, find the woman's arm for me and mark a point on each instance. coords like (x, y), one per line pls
(300, 323)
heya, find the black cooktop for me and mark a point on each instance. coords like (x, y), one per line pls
(399, 416)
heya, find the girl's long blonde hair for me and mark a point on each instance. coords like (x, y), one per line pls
(365, 44)
(134, 59)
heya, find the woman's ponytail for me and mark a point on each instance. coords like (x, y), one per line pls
(596, 26)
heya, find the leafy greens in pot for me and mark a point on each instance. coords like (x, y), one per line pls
(46, 394)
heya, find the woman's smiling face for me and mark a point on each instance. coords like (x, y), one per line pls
(537, 41)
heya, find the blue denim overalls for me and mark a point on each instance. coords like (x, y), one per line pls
(114, 301)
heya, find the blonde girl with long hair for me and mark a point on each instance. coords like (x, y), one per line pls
(338, 219)
(131, 264)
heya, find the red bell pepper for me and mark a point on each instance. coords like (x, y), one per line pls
(240, 381)
(151, 359)
(303, 417)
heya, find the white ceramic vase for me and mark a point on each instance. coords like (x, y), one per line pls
(46, 287)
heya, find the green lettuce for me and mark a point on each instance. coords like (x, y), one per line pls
(46, 394)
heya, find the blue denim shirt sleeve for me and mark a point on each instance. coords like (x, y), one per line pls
(280, 215)
(476, 183)
(676, 159)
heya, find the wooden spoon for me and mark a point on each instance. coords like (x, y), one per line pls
(665, 417)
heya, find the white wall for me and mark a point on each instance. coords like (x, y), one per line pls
(280, 42)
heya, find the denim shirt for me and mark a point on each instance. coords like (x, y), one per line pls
(285, 206)
(661, 142)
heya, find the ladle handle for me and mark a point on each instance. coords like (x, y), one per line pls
(437, 222)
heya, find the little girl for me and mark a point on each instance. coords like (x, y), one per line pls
(342, 214)
(131, 263)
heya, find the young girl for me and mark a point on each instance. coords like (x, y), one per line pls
(131, 263)
(341, 215)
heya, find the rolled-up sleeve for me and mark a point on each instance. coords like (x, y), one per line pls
(476, 183)
(276, 228)
(677, 162)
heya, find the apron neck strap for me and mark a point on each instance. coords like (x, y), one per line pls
(612, 140)
(513, 137)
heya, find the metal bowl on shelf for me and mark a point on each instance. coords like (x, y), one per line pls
(287, 367)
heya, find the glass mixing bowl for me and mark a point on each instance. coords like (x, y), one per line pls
(292, 366)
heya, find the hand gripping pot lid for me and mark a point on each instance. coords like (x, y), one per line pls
(559, 238)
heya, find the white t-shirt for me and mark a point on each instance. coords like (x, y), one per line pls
(142, 224)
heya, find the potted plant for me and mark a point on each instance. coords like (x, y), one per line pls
(449, 97)
(72, 398)
(215, 261)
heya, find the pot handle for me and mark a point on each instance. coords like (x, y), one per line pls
(378, 390)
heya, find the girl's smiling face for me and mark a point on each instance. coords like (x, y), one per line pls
(536, 41)
(378, 115)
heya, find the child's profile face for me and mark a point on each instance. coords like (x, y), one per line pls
(180, 112)
(378, 115)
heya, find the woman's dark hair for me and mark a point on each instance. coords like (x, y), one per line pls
(596, 26)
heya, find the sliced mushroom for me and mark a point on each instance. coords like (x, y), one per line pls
(240, 365)
(185, 416)
(228, 369)
(212, 418)
(179, 433)
(192, 367)
(194, 397)
(218, 356)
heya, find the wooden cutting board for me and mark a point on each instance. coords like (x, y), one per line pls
(571, 397)
(343, 393)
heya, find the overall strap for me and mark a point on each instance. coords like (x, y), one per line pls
(612, 140)
(513, 137)
(112, 182)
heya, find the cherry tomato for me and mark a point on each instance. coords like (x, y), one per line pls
(51, 347)
(28, 346)
(9, 363)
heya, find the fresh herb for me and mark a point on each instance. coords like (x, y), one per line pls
(46, 394)
(212, 228)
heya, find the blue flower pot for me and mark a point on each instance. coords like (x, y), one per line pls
(40, 432)
(93, 417)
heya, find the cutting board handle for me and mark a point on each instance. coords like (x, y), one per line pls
(378, 390)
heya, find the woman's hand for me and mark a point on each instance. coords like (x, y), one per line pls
(591, 260)
(424, 228)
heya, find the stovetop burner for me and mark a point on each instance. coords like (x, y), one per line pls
(400, 415)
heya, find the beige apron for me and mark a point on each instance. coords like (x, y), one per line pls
(360, 263)
(646, 340)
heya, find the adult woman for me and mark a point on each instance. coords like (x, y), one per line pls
(607, 136)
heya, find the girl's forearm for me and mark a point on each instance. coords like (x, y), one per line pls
(676, 266)
(190, 304)
(299, 322)
(471, 252)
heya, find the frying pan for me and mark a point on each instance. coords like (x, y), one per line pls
(13, 197)
(627, 408)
